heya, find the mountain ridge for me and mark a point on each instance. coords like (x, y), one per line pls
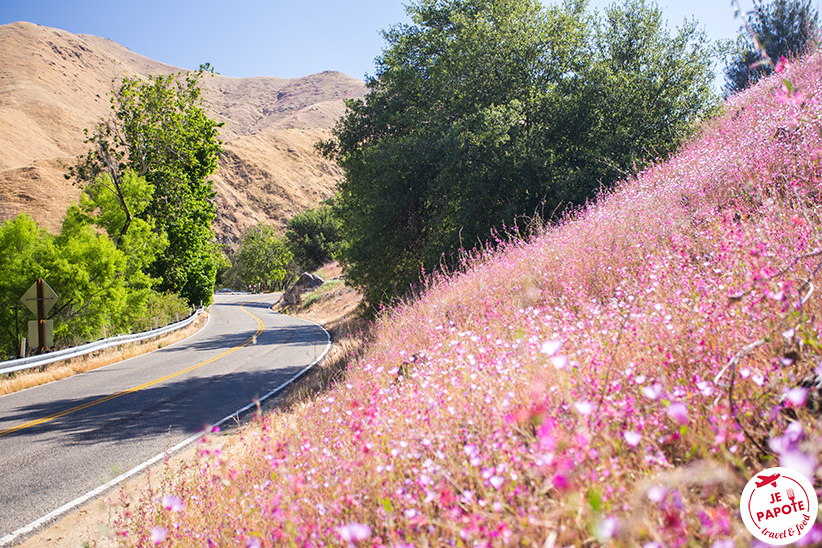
(54, 84)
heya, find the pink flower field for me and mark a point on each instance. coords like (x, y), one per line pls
(615, 380)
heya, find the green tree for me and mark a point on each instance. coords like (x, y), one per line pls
(781, 28)
(88, 273)
(99, 275)
(84, 268)
(641, 93)
(314, 237)
(24, 247)
(262, 256)
(159, 130)
(483, 111)
(110, 207)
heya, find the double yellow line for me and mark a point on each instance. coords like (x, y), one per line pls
(143, 386)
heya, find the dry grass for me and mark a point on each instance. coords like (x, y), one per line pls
(337, 308)
(612, 382)
(22, 380)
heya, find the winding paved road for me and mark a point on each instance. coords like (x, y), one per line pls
(62, 440)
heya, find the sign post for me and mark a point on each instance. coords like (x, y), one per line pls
(40, 298)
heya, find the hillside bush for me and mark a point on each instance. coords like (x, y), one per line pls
(776, 29)
(616, 380)
(485, 111)
(314, 237)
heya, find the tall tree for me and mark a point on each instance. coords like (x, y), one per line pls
(482, 111)
(641, 93)
(262, 256)
(160, 131)
(781, 28)
(314, 237)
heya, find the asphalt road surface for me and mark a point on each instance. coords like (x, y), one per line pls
(62, 440)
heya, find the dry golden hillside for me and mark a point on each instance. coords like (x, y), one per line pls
(53, 84)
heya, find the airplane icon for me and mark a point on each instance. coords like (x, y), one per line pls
(762, 481)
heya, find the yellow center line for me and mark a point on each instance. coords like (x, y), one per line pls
(143, 386)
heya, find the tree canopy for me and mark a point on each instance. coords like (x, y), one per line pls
(314, 237)
(781, 28)
(482, 111)
(159, 130)
(262, 257)
(98, 275)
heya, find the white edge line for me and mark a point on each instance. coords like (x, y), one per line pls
(165, 454)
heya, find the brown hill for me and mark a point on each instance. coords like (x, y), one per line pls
(53, 84)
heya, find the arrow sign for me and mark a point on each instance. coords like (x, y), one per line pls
(29, 298)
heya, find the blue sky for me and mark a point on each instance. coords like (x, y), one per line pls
(286, 39)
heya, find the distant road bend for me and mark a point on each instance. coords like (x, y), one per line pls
(62, 440)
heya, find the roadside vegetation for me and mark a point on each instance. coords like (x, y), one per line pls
(138, 250)
(338, 308)
(616, 379)
(612, 375)
(267, 259)
(14, 382)
(485, 113)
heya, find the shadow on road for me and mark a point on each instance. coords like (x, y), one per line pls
(290, 335)
(182, 405)
(178, 407)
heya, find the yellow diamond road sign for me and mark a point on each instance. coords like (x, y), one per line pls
(30, 298)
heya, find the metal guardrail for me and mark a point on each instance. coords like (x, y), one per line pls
(19, 364)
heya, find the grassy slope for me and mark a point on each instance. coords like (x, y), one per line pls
(566, 391)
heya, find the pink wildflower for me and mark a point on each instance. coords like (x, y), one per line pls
(632, 438)
(656, 493)
(782, 65)
(678, 411)
(608, 528)
(797, 396)
(354, 532)
(652, 392)
(800, 461)
(550, 347)
(158, 534)
(813, 538)
(172, 503)
(561, 482)
(705, 388)
(584, 407)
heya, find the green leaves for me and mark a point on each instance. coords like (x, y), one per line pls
(781, 28)
(484, 111)
(262, 256)
(84, 268)
(158, 134)
(314, 237)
